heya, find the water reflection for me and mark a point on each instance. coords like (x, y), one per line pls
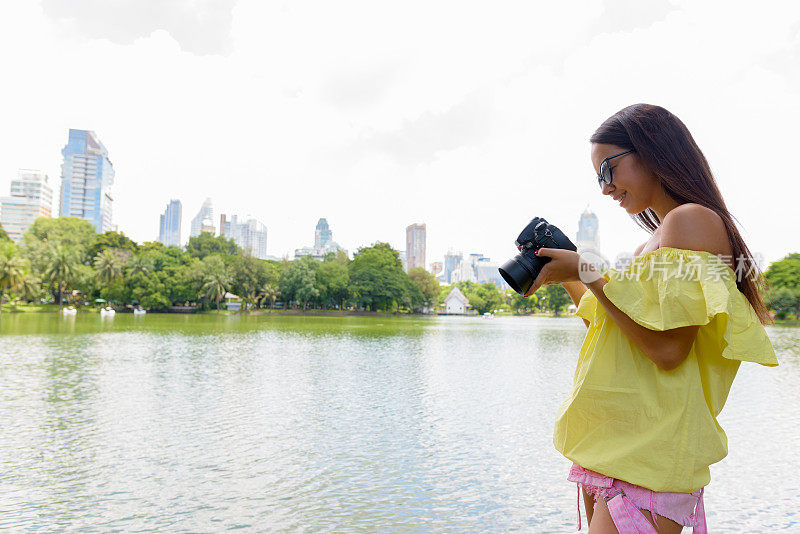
(205, 423)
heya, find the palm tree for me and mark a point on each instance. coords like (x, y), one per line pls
(62, 269)
(140, 264)
(215, 286)
(268, 293)
(108, 265)
(30, 287)
(12, 271)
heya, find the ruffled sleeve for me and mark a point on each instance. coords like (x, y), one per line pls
(587, 306)
(670, 288)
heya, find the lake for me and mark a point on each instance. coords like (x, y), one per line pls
(205, 423)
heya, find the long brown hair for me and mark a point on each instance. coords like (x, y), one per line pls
(665, 146)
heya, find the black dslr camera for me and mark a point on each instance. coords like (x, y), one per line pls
(520, 271)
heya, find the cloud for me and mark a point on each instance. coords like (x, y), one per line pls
(201, 27)
(467, 116)
(422, 140)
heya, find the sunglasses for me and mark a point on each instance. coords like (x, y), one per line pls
(605, 169)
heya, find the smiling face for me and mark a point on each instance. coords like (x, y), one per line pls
(633, 183)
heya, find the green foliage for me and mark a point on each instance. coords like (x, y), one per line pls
(377, 279)
(249, 275)
(785, 273)
(298, 281)
(553, 297)
(109, 266)
(482, 297)
(784, 300)
(46, 235)
(64, 231)
(521, 305)
(427, 285)
(13, 269)
(206, 244)
(215, 278)
(114, 240)
(63, 268)
(333, 281)
(4, 236)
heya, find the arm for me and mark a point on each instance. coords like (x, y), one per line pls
(688, 226)
(577, 289)
(667, 348)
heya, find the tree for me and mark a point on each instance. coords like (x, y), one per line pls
(206, 244)
(4, 236)
(298, 281)
(12, 270)
(109, 267)
(427, 284)
(139, 264)
(114, 240)
(63, 269)
(785, 272)
(215, 287)
(784, 300)
(248, 276)
(482, 297)
(518, 304)
(46, 235)
(377, 278)
(215, 279)
(554, 297)
(268, 293)
(333, 281)
(72, 232)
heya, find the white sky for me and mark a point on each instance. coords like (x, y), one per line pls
(470, 117)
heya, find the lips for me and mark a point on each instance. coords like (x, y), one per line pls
(622, 198)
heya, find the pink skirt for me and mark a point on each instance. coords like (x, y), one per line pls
(683, 508)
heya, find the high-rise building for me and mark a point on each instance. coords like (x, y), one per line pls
(204, 220)
(403, 259)
(588, 240)
(323, 243)
(86, 179)
(415, 246)
(437, 268)
(588, 225)
(250, 235)
(169, 228)
(452, 261)
(322, 234)
(31, 197)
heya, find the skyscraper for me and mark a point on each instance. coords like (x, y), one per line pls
(452, 262)
(31, 197)
(587, 236)
(250, 235)
(588, 240)
(86, 179)
(169, 228)
(204, 220)
(322, 234)
(323, 243)
(415, 246)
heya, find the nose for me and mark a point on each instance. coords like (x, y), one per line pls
(607, 189)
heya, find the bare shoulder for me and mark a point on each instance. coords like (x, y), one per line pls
(694, 227)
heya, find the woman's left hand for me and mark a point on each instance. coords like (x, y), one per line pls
(562, 267)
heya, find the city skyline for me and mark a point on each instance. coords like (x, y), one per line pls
(474, 134)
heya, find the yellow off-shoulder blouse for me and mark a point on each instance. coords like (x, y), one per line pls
(630, 420)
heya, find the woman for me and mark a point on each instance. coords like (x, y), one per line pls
(666, 334)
